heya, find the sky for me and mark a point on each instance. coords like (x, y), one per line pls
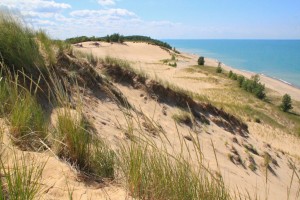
(162, 19)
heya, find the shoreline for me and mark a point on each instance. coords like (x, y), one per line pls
(276, 84)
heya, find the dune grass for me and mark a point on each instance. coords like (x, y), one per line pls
(18, 48)
(75, 143)
(151, 173)
(20, 178)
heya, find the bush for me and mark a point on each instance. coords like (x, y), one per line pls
(173, 64)
(240, 80)
(252, 85)
(219, 69)
(286, 104)
(230, 74)
(201, 60)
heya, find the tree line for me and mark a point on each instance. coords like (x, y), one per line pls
(116, 37)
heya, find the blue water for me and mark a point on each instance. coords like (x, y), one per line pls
(276, 58)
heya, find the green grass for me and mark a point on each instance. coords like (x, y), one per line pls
(20, 179)
(75, 143)
(7, 95)
(28, 123)
(152, 174)
(18, 48)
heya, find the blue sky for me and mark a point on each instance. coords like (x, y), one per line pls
(163, 19)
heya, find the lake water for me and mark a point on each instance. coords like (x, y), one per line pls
(276, 58)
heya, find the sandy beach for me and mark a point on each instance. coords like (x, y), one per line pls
(279, 86)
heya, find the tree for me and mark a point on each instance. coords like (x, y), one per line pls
(286, 104)
(201, 60)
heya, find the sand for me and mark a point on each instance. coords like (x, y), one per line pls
(141, 53)
(110, 121)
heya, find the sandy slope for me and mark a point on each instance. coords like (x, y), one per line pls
(143, 53)
(263, 138)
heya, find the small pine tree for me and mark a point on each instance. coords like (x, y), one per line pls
(286, 104)
(201, 60)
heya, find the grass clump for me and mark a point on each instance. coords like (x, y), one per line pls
(19, 49)
(20, 178)
(183, 117)
(8, 95)
(153, 174)
(75, 143)
(27, 120)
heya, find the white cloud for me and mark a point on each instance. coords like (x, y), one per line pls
(106, 2)
(107, 12)
(49, 15)
(37, 5)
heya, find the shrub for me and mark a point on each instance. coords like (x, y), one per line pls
(286, 104)
(201, 60)
(240, 80)
(173, 57)
(219, 69)
(252, 85)
(234, 76)
(230, 74)
(173, 64)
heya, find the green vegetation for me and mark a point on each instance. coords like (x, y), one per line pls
(75, 143)
(201, 60)
(252, 85)
(116, 37)
(139, 38)
(21, 178)
(219, 69)
(286, 104)
(18, 48)
(79, 39)
(173, 64)
(153, 174)
(27, 120)
(119, 38)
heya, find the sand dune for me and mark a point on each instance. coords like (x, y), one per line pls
(263, 138)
